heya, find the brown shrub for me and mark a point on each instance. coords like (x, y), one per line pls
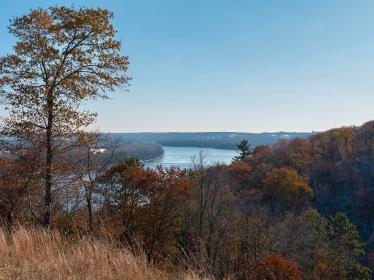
(275, 267)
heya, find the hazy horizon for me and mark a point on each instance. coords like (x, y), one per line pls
(228, 131)
(259, 132)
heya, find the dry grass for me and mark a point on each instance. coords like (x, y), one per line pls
(39, 254)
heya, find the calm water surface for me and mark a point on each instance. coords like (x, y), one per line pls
(182, 157)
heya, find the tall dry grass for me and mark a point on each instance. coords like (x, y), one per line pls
(40, 254)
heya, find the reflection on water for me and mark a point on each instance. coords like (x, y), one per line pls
(182, 157)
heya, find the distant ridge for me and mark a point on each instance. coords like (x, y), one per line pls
(218, 140)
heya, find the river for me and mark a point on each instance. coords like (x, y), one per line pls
(182, 157)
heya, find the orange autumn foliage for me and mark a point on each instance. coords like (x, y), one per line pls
(275, 267)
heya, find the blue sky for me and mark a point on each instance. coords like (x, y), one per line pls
(235, 65)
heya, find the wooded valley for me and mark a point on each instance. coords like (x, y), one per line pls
(75, 205)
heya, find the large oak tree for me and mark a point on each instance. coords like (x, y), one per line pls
(62, 57)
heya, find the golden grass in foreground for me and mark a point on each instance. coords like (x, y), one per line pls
(39, 254)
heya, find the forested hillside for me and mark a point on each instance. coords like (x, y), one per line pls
(218, 140)
(141, 151)
(338, 164)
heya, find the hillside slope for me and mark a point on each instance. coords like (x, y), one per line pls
(219, 140)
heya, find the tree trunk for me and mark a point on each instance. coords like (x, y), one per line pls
(89, 208)
(48, 166)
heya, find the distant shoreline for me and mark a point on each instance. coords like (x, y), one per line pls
(222, 140)
(152, 159)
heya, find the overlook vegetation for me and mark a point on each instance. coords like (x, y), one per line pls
(300, 208)
(38, 254)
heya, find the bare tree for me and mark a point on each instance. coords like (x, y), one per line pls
(95, 155)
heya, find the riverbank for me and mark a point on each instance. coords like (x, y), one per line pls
(152, 159)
